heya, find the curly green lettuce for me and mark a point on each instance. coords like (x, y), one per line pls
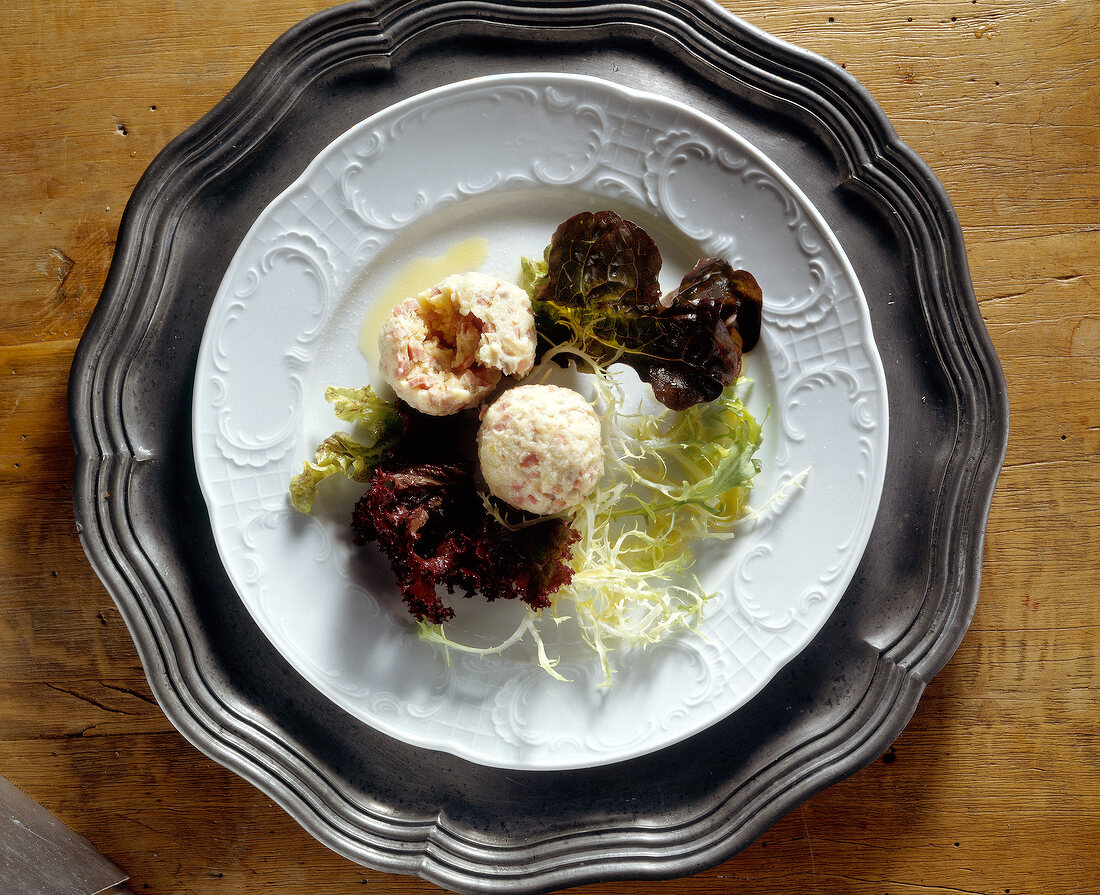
(380, 425)
(695, 467)
(671, 480)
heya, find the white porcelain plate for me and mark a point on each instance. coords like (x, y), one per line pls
(505, 159)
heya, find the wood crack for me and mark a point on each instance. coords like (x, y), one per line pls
(136, 694)
(83, 697)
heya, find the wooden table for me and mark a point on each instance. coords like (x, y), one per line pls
(994, 787)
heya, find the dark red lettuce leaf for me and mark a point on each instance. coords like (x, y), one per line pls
(602, 261)
(700, 334)
(713, 281)
(598, 277)
(598, 289)
(431, 524)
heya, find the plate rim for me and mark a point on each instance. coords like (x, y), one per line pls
(876, 164)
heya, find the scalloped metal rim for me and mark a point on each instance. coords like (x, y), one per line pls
(218, 722)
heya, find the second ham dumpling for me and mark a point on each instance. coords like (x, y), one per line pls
(446, 349)
(540, 448)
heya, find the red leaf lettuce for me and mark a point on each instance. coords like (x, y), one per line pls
(597, 288)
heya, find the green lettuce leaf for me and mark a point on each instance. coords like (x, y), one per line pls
(700, 458)
(363, 406)
(380, 427)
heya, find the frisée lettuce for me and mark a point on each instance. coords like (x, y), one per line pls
(672, 479)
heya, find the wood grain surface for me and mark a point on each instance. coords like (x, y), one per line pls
(993, 788)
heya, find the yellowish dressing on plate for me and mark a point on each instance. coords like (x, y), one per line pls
(413, 278)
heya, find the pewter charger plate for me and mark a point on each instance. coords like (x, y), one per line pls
(404, 808)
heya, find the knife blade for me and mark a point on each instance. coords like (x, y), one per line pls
(39, 855)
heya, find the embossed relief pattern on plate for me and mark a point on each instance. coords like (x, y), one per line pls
(357, 199)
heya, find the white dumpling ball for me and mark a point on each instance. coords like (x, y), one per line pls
(540, 448)
(447, 348)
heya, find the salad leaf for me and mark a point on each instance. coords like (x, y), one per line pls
(697, 466)
(601, 261)
(699, 334)
(340, 453)
(597, 289)
(363, 406)
(672, 480)
(431, 523)
(595, 285)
